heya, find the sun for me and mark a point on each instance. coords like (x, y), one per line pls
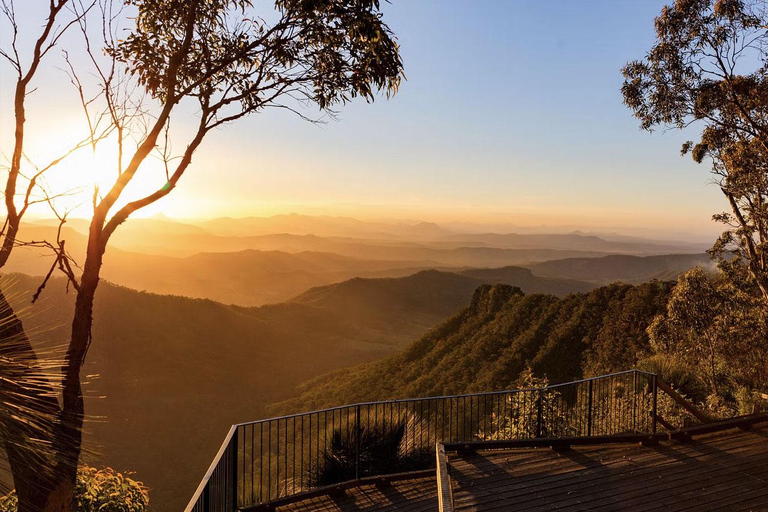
(89, 172)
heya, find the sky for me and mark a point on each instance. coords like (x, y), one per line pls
(511, 114)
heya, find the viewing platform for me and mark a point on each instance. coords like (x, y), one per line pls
(624, 441)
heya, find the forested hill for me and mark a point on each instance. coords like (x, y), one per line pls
(431, 291)
(487, 345)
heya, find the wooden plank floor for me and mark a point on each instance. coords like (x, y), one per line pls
(723, 471)
(413, 495)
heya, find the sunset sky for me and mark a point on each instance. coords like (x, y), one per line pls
(511, 114)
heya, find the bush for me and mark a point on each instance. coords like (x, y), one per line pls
(518, 414)
(9, 502)
(98, 490)
(674, 371)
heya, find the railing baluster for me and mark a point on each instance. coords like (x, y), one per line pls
(357, 442)
(655, 398)
(285, 448)
(589, 411)
(269, 461)
(539, 406)
(277, 460)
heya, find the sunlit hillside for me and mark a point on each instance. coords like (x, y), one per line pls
(500, 334)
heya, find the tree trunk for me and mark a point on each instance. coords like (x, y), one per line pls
(73, 408)
(756, 270)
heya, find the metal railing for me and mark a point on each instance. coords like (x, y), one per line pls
(279, 458)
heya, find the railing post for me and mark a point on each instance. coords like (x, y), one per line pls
(538, 414)
(357, 442)
(589, 410)
(655, 397)
(634, 401)
(234, 469)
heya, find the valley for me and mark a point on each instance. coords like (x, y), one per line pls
(228, 324)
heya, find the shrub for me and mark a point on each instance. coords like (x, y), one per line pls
(9, 502)
(518, 417)
(675, 372)
(98, 490)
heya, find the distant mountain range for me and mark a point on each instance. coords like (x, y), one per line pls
(169, 257)
(327, 234)
(629, 269)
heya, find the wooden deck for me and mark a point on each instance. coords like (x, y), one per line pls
(725, 470)
(721, 471)
(411, 495)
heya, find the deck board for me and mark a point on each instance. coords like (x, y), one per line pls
(411, 495)
(722, 471)
(725, 471)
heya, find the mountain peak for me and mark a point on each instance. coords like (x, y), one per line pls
(490, 298)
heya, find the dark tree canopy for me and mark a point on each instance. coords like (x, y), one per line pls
(325, 51)
(708, 66)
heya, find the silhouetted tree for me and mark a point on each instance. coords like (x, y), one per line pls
(708, 66)
(28, 403)
(229, 61)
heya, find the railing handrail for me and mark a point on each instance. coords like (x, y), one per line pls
(438, 397)
(211, 469)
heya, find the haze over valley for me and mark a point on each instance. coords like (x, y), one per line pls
(268, 260)
(243, 311)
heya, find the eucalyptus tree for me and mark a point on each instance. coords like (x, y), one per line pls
(708, 67)
(28, 390)
(227, 59)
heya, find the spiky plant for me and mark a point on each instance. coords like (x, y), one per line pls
(384, 448)
(29, 386)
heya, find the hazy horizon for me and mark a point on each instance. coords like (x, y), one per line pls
(492, 223)
(498, 123)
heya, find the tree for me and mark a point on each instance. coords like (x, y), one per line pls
(708, 67)
(224, 58)
(28, 397)
(716, 329)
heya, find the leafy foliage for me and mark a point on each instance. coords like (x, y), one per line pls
(717, 329)
(323, 51)
(674, 371)
(98, 490)
(520, 420)
(709, 65)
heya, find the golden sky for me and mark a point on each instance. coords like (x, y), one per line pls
(499, 122)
